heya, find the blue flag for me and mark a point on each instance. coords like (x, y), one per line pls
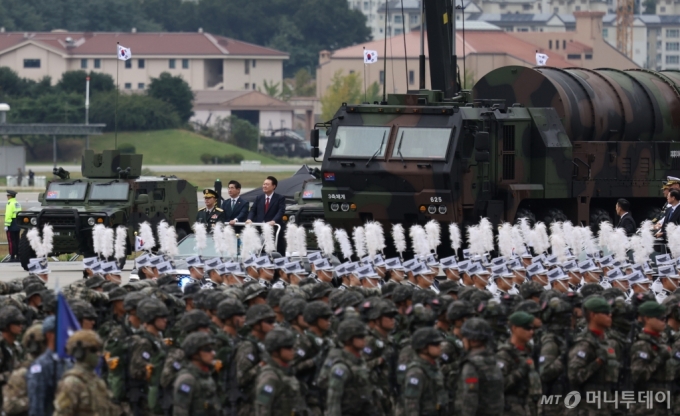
(67, 324)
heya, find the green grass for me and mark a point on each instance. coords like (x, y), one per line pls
(174, 147)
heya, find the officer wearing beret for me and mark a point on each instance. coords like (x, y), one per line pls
(12, 225)
(211, 213)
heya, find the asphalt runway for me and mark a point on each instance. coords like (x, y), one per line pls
(188, 168)
(63, 273)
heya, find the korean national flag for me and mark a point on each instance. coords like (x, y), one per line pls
(138, 243)
(541, 59)
(370, 57)
(124, 53)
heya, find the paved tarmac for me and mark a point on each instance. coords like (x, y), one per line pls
(188, 168)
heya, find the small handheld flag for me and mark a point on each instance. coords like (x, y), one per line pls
(67, 324)
(138, 243)
(370, 57)
(124, 53)
(541, 59)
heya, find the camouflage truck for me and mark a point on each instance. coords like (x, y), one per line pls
(308, 207)
(546, 143)
(112, 192)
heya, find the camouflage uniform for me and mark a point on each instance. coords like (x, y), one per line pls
(423, 389)
(277, 393)
(34, 343)
(194, 391)
(553, 350)
(518, 371)
(10, 353)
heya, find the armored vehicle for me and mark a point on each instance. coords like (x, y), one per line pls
(285, 143)
(112, 192)
(308, 207)
(545, 143)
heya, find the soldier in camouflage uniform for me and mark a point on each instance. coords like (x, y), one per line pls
(420, 317)
(84, 313)
(147, 356)
(80, 391)
(231, 315)
(260, 318)
(194, 391)
(652, 366)
(522, 387)
(117, 317)
(593, 364)
(314, 346)
(480, 386)
(423, 389)
(620, 337)
(553, 349)
(11, 325)
(277, 391)
(452, 348)
(380, 351)
(345, 374)
(16, 388)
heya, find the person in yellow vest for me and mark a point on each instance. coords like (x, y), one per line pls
(12, 225)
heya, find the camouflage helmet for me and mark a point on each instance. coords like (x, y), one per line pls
(421, 317)
(193, 320)
(556, 311)
(34, 289)
(84, 338)
(320, 290)
(458, 310)
(623, 315)
(476, 329)
(274, 297)
(213, 299)
(402, 293)
(350, 298)
(388, 288)
(83, 310)
(465, 293)
(530, 289)
(49, 301)
(279, 338)
(292, 308)
(132, 299)
(257, 313)
(480, 296)
(528, 306)
(590, 289)
(150, 309)
(33, 340)
(118, 293)
(424, 337)
(109, 286)
(492, 309)
(423, 296)
(351, 328)
(230, 307)
(253, 290)
(31, 279)
(95, 282)
(613, 293)
(195, 341)
(200, 298)
(315, 310)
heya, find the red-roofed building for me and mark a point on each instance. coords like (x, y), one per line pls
(205, 61)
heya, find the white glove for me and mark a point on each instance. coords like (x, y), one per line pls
(6, 228)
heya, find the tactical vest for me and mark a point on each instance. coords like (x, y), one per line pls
(205, 400)
(490, 382)
(157, 360)
(357, 399)
(116, 354)
(608, 374)
(434, 397)
(665, 372)
(290, 390)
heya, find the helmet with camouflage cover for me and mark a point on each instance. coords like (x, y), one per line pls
(84, 338)
(421, 317)
(230, 307)
(402, 293)
(31, 279)
(201, 297)
(492, 309)
(257, 313)
(10, 315)
(33, 340)
(213, 299)
(150, 309)
(315, 310)
(423, 296)
(34, 289)
(95, 282)
(549, 294)
(350, 298)
(528, 306)
(274, 297)
(476, 329)
(193, 320)
(132, 300)
(351, 328)
(672, 304)
(556, 311)
(480, 296)
(117, 293)
(292, 308)
(530, 289)
(424, 337)
(458, 310)
(109, 286)
(320, 290)
(49, 301)
(196, 341)
(83, 310)
(639, 298)
(279, 338)
(253, 290)
(623, 315)
(590, 289)
(613, 293)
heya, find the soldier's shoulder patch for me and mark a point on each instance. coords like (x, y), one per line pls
(581, 354)
(268, 389)
(367, 350)
(677, 355)
(413, 381)
(339, 372)
(445, 357)
(643, 355)
(184, 388)
(500, 364)
(36, 368)
(250, 357)
(301, 352)
(318, 341)
(541, 359)
(146, 355)
(177, 365)
(402, 367)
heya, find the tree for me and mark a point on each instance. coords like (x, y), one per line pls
(346, 89)
(74, 81)
(243, 134)
(135, 112)
(271, 89)
(174, 91)
(305, 86)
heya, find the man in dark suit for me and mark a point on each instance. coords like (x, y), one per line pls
(270, 206)
(626, 220)
(235, 208)
(672, 213)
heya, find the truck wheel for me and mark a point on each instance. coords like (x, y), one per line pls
(26, 253)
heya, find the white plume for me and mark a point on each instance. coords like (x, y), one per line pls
(34, 240)
(604, 234)
(375, 240)
(317, 226)
(251, 241)
(218, 239)
(230, 242)
(486, 234)
(268, 235)
(475, 243)
(328, 245)
(359, 237)
(673, 237)
(171, 242)
(433, 231)
(302, 241)
(518, 240)
(399, 238)
(291, 236)
(421, 246)
(47, 239)
(107, 245)
(646, 232)
(525, 227)
(559, 246)
(121, 242)
(618, 244)
(556, 228)
(161, 230)
(454, 236)
(146, 234)
(570, 237)
(587, 240)
(639, 254)
(345, 245)
(98, 238)
(505, 241)
(539, 238)
(201, 237)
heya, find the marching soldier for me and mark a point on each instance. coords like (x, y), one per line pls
(211, 213)
(231, 316)
(11, 325)
(314, 345)
(16, 388)
(195, 392)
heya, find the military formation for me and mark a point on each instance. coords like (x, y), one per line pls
(527, 319)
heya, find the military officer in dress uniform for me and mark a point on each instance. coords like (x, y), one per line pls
(210, 214)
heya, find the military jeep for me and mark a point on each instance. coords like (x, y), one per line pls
(112, 192)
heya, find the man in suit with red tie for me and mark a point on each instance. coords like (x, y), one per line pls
(672, 213)
(268, 207)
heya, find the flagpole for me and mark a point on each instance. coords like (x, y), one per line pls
(115, 111)
(365, 99)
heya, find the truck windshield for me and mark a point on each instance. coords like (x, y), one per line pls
(66, 191)
(421, 143)
(355, 141)
(110, 191)
(312, 190)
